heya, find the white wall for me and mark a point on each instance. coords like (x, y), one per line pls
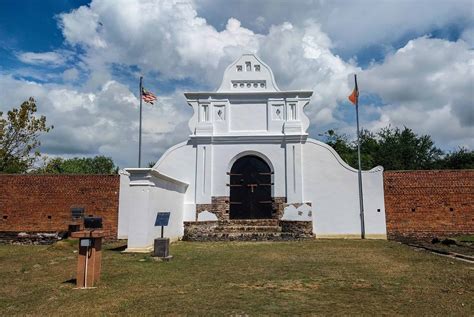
(332, 187)
(240, 120)
(144, 192)
(179, 162)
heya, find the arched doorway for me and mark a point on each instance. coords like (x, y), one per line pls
(250, 189)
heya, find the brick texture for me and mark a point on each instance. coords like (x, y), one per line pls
(42, 203)
(422, 204)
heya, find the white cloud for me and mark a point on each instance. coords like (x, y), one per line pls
(51, 58)
(166, 37)
(428, 86)
(352, 25)
(70, 74)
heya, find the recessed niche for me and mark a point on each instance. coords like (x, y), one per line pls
(5, 217)
(257, 68)
(239, 68)
(378, 210)
(49, 217)
(277, 112)
(451, 209)
(413, 209)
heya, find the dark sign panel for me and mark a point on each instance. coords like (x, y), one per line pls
(162, 219)
(92, 222)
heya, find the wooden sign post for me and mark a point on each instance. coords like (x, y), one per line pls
(89, 258)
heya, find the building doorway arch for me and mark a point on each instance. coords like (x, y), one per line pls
(250, 189)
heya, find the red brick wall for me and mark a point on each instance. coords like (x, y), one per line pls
(26, 201)
(429, 203)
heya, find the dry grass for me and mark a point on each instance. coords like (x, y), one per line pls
(330, 277)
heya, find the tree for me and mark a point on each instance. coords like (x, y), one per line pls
(460, 159)
(77, 165)
(393, 148)
(404, 150)
(19, 137)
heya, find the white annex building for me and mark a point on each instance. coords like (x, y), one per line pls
(249, 171)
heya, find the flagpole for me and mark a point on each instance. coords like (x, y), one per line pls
(140, 126)
(361, 196)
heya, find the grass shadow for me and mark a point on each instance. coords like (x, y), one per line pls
(70, 281)
(119, 248)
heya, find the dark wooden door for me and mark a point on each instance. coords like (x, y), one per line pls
(250, 189)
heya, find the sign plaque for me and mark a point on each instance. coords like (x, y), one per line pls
(162, 219)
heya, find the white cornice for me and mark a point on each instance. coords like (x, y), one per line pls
(144, 177)
(204, 96)
(249, 139)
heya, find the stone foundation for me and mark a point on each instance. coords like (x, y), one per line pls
(298, 228)
(247, 230)
(278, 207)
(220, 206)
(9, 237)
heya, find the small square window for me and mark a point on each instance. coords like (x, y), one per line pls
(257, 68)
(239, 68)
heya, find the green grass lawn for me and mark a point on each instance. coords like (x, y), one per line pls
(321, 277)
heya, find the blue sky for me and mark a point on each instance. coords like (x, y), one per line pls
(81, 61)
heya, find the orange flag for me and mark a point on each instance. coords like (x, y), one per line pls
(354, 97)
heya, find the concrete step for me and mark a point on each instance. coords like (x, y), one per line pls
(245, 236)
(241, 228)
(249, 222)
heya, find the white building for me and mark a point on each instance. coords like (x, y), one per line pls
(249, 157)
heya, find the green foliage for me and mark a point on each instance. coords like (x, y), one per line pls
(19, 133)
(460, 159)
(404, 150)
(79, 165)
(398, 149)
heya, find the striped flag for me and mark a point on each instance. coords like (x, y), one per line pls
(148, 96)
